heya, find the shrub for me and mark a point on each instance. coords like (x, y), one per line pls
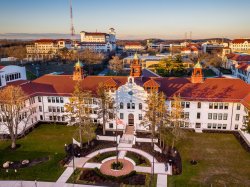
(117, 165)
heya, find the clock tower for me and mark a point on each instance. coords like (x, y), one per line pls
(135, 67)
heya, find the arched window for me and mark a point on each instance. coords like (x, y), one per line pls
(121, 105)
(130, 80)
(128, 105)
(140, 106)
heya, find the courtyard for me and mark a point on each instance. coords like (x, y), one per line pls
(221, 159)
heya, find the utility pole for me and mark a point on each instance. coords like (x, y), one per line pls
(72, 29)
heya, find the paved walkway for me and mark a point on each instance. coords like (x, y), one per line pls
(65, 176)
(162, 180)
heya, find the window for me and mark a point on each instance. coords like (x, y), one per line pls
(57, 99)
(214, 125)
(121, 105)
(53, 100)
(186, 115)
(236, 126)
(220, 105)
(209, 125)
(224, 126)
(187, 104)
(63, 118)
(237, 117)
(225, 116)
(41, 117)
(226, 106)
(209, 115)
(58, 118)
(54, 118)
(58, 109)
(219, 116)
(128, 105)
(197, 125)
(199, 105)
(62, 109)
(39, 99)
(54, 109)
(40, 108)
(110, 115)
(111, 126)
(198, 115)
(50, 109)
(182, 104)
(50, 118)
(219, 126)
(61, 99)
(133, 105)
(140, 106)
(215, 105)
(121, 116)
(238, 106)
(140, 116)
(49, 99)
(214, 116)
(210, 105)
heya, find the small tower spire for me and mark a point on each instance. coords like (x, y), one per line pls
(78, 73)
(197, 75)
(135, 67)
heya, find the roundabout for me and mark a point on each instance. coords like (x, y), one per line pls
(106, 167)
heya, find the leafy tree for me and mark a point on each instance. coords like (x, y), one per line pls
(14, 113)
(78, 109)
(115, 64)
(106, 110)
(156, 111)
(176, 118)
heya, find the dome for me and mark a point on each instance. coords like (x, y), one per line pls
(78, 64)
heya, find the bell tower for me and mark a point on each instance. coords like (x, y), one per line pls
(197, 75)
(78, 73)
(135, 67)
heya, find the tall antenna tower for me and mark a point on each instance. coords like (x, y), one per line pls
(190, 35)
(72, 29)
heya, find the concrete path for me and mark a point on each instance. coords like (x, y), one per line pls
(143, 169)
(122, 154)
(39, 184)
(65, 176)
(92, 165)
(162, 180)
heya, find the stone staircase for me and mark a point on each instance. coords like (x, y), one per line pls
(128, 137)
(129, 130)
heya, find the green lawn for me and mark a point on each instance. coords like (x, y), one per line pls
(221, 161)
(45, 140)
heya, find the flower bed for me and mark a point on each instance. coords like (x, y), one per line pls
(100, 157)
(117, 165)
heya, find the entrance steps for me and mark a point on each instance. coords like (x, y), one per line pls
(129, 130)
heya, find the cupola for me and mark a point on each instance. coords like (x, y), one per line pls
(197, 75)
(78, 73)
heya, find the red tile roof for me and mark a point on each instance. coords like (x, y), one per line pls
(133, 44)
(236, 41)
(238, 57)
(151, 83)
(212, 89)
(1, 67)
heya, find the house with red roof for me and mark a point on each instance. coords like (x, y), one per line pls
(240, 45)
(208, 103)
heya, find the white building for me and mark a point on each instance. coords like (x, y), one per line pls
(11, 73)
(133, 46)
(212, 103)
(98, 41)
(46, 48)
(240, 45)
(239, 65)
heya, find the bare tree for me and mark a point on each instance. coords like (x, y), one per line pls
(14, 112)
(90, 57)
(106, 110)
(78, 109)
(115, 64)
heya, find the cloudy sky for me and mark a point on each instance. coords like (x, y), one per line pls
(132, 19)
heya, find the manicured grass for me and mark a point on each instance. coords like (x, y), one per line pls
(45, 140)
(221, 161)
(138, 159)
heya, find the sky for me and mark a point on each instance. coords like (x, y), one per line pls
(132, 19)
